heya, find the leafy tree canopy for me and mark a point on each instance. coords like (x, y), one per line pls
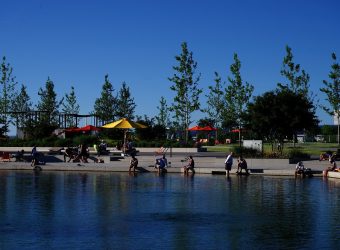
(278, 115)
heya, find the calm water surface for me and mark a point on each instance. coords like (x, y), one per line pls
(65, 210)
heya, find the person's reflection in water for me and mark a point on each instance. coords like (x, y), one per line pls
(162, 180)
(228, 178)
(132, 173)
(83, 179)
(36, 176)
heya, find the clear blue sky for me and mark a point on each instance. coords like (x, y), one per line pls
(78, 42)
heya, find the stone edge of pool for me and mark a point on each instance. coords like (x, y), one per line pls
(203, 165)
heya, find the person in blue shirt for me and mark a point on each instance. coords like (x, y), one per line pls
(161, 164)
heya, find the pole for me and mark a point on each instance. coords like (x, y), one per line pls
(239, 139)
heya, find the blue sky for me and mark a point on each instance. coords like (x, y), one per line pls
(76, 43)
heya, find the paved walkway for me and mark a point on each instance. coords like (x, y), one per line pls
(205, 163)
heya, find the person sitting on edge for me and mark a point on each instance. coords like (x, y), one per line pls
(83, 154)
(161, 164)
(19, 156)
(242, 164)
(325, 156)
(129, 149)
(189, 166)
(102, 148)
(299, 168)
(69, 153)
(332, 167)
(133, 164)
(332, 162)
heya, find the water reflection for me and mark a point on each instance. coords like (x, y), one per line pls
(121, 211)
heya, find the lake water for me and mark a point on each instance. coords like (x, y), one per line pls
(67, 210)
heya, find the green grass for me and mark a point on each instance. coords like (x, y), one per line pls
(312, 148)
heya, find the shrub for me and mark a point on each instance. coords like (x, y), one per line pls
(246, 152)
(296, 153)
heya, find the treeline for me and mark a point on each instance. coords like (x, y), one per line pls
(276, 115)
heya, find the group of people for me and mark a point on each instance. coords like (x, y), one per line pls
(241, 164)
(162, 163)
(81, 153)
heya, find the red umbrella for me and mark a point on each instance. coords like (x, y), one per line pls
(83, 129)
(89, 128)
(208, 128)
(196, 128)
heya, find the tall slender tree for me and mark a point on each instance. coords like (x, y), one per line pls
(332, 90)
(48, 104)
(185, 84)
(22, 105)
(237, 95)
(216, 101)
(163, 118)
(7, 93)
(297, 78)
(125, 103)
(105, 105)
(70, 106)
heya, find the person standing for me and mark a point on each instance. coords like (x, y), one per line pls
(228, 163)
(35, 156)
(133, 164)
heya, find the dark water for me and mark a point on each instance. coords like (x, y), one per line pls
(65, 210)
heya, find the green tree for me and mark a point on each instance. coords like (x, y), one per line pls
(105, 106)
(48, 106)
(332, 90)
(21, 108)
(185, 84)
(7, 93)
(297, 78)
(70, 106)
(125, 103)
(277, 115)
(216, 102)
(163, 118)
(48, 103)
(237, 96)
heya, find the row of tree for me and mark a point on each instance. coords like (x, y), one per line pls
(40, 120)
(276, 115)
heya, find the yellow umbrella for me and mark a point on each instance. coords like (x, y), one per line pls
(126, 124)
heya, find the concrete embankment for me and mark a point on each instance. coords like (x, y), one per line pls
(203, 165)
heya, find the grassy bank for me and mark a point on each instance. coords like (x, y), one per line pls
(311, 148)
